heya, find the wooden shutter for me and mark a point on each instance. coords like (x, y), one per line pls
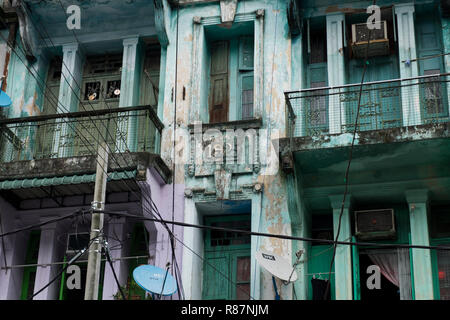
(247, 95)
(246, 58)
(246, 53)
(218, 95)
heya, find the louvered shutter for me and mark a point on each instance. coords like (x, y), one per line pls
(246, 53)
(218, 95)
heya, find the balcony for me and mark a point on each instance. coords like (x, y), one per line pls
(55, 156)
(79, 133)
(383, 105)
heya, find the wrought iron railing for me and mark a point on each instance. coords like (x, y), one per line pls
(383, 104)
(135, 129)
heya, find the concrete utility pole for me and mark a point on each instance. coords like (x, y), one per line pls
(94, 258)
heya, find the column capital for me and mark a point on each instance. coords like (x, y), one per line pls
(48, 226)
(335, 16)
(74, 46)
(404, 8)
(336, 201)
(131, 41)
(417, 195)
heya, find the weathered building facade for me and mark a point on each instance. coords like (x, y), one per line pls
(231, 113)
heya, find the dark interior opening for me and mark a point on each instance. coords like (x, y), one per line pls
(387, 291)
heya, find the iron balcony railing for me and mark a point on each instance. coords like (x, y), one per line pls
(383, 104)
(135, 129)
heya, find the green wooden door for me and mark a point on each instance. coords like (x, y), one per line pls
(226, 271)
(380, 103)
(432, 92)
(149, 92)
(316, 105)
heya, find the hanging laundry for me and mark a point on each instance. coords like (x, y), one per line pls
(319, 287)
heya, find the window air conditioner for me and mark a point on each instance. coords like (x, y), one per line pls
(379, 42)
(77, 242)
(375, 224)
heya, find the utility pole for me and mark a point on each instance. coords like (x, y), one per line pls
(94, 258)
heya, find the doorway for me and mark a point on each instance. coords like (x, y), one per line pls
(395, 274)
(387, 291)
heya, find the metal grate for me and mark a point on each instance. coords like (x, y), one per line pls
(443, 257)
(333, 110)
(374, 221)
(76, 134)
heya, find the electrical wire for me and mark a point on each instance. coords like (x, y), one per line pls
(35, 226)
(74, 259)
(81, 135)
(347, 171)
(279, 236)
(108, 258)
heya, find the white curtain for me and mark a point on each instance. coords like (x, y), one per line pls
(395, 266)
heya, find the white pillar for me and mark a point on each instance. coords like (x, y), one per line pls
(116, 231)
(69, 95)
(48, 253)
(129, 93)
(15, 251)
(336, 69)
(407, 51)
(343, 259)
(421, 258)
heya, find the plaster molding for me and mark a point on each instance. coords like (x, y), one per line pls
(228, 10)
(417, 196)
(336, 201)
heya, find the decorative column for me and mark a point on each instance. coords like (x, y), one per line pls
(300, 227)
(255, 271)
(48, 253)
(421, 258)
(116, 231)
(407, 52)
(198, 43)
(129, 93)
(259, 65)
(68, 100)
(336, 69)
(297, 81)
(343, 259)
(15, 250)
(192, 271)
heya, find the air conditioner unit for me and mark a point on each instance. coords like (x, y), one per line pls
(77, 242)
(379, 41)
(375, 224)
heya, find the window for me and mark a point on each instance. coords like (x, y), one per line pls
(231, 79)
(100, 90)
(101, 82)
(226, 271)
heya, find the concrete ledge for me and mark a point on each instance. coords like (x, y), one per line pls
(393, 135)
(80, 165)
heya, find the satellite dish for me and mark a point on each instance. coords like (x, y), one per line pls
(5, 100)
(152, 279)
(276, 265)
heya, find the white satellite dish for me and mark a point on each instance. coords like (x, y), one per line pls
(276, 265)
